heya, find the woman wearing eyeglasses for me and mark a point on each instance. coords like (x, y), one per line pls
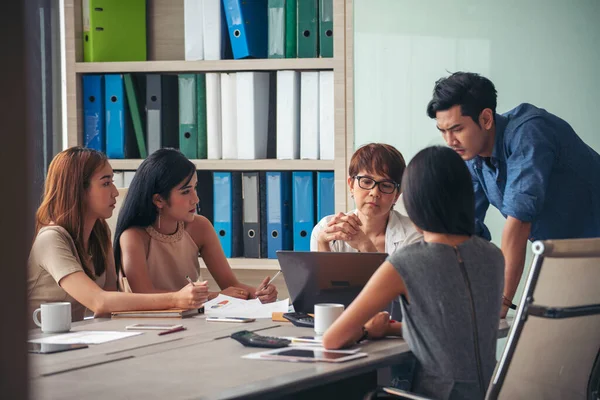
(374, 179)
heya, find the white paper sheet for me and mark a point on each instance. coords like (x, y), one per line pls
(86, 337)
(226, 306)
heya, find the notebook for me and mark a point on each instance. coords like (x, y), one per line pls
(170, 313)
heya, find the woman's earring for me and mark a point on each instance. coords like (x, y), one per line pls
(159, 218)
(352, 195)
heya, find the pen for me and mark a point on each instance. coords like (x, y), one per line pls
(179, 328)
(272, 279)
(189, 280)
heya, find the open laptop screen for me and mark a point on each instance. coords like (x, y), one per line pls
(326, 277)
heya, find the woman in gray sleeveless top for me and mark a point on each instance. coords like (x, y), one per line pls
(450, 285)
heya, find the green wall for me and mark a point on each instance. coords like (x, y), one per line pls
(544, 52)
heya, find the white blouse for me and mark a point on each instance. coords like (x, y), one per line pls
(400, 232)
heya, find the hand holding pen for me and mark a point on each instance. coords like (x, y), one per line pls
(266, 292)
(193, 295)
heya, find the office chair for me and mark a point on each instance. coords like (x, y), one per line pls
(553, 347)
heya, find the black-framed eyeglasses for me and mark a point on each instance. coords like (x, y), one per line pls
(367, 183)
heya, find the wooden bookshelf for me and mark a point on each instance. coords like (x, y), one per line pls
(241, 165)
(298, 64)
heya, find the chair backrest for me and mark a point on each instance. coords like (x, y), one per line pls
(112, 221)
(554, 342)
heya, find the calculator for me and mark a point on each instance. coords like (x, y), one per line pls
(251, 339)
(300, 319)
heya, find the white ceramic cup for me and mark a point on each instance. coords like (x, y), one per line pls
(325, 316)
(56, 317)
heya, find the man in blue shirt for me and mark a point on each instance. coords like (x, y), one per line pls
(528, 163)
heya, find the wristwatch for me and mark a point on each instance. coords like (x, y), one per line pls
(508, 303)
(364, 336)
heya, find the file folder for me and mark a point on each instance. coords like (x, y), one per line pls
(136, 117)
(326, 28)
(247, 24)
(188, 127)
(291, 28)
(326, 116)
(94, 135)
(229, 116)
(213, 117)
(201, 116)
(117, 140)
(272, 116)
(193, 30)
(114, 30)
(308, 34)
(276, 31)
(128, 178)
(162, 112)
(288, 115)
(279, 212)
(215, 29)
(325, 194)
(205, 192)
(153, 112)
(303, 209)
(309, 115)
(119, 179)
(228, 211)
(252, 114)
(254, 215)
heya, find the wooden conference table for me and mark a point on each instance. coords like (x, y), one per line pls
(201, 362)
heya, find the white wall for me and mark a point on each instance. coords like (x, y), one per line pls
(545, 52)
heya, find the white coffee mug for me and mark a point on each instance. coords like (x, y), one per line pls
(56, 317)
(325, 316)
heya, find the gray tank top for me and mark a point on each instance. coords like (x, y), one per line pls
(437, 322)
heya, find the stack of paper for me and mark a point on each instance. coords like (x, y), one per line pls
(86, 337)
(226, 306)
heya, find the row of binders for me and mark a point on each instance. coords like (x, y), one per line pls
(115, 30)
(257, 213)
(258, 29)
(240, 115)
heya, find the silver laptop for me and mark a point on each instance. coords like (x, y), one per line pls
(326, 277)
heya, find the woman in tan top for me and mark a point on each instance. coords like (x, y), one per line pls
(159, 236)
(71, 258)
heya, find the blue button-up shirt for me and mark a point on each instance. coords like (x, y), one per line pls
(541, 172)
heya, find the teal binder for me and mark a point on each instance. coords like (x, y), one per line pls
(326, 28)
(291, 28)
(308, 33)
(276, 32)
(188, 124)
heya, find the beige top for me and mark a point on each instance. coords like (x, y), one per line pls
(54, 256)
(171, 257)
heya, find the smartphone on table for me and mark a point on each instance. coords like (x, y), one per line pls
(47, 348)
(230, 319)
(152, 327)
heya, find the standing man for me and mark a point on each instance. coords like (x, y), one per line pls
(528, 163)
